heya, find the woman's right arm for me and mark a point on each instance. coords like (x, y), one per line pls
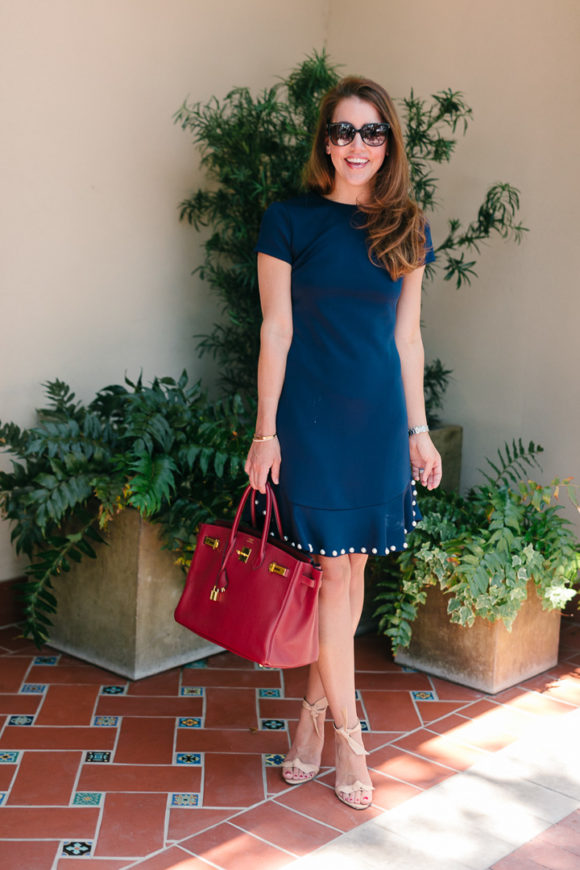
(274, 279)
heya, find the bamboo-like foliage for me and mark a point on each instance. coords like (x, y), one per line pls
(253, 149)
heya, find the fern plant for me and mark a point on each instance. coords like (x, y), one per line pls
(163, 449)
(253, 149)
(482, 549)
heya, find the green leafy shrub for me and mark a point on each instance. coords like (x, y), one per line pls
(482, 549)
(164, 450)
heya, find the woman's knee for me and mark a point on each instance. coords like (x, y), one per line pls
(358, 562)
(336, 574)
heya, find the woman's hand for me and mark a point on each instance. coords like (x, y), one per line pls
(263, 457)
(425, 460)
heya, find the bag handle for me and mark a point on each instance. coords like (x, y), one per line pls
(276, 511)
(270, 502)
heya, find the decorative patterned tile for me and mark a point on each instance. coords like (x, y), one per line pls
(185, 799)
(189, 722)
(269, 693)
(407, 670)
(9, 757)
(21, 720)
(97, 757)
(424, 696)
(45, 660)
(105, 721)
(188, 691)
(357, 695)
(76, 848)
(2, 797)
(87, 799)
(273, 759)
(273, 725)
(193, 758)
(264, 667)
(364, 725)
(33, 689)
(201, 663)
(114, 690)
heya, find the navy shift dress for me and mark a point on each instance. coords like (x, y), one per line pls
(345, 478)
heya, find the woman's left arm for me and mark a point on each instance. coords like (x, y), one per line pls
(425, 458)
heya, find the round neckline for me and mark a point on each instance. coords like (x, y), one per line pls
(336, 201)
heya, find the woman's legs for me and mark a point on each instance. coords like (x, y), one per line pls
(340, 605)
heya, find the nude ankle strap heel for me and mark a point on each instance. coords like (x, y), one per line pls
(315, 710)
(310, 770)
(358, 749)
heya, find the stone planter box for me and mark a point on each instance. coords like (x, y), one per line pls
(486, 656)
(116, 611)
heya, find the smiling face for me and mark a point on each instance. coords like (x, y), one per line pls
(355, 164)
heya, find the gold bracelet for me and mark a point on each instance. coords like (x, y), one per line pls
(259, 438)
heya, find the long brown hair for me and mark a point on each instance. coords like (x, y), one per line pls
(395, 225)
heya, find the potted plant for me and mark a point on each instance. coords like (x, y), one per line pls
(476, 597)
(139, 467)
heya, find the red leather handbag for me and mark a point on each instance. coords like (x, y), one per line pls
(251, 594)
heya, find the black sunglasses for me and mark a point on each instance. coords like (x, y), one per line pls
(343, 133)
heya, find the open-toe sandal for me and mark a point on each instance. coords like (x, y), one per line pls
(309, 770)
(351, 788)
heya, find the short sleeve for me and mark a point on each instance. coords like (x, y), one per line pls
(275, 237)
(429, 252)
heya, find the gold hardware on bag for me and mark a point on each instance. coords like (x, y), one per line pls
(244, 554)
(211, 542)
(275, 568)
(215, 593)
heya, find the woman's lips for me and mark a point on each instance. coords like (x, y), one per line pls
(356, 164)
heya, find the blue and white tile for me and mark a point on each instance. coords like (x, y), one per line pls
(269, 693)
(105, 721)
(194, 759)
(97, 756)
(190, 722)
(76, 848)
(423, 695)
(114, 690)
(9, 756)
(273, 725)
(185, 799)
(33, 688)
(273, 759)
(46, 660)
(20, 721)
(88, 799)
(192, 691)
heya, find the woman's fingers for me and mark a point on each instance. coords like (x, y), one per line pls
(275, 470)
(263, 459)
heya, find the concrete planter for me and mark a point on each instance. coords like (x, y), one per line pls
(116, 611)
(486, 656)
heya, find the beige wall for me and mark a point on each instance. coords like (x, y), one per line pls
(96, 268)
(512, 338)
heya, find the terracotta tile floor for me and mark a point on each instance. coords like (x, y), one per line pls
(181, 770)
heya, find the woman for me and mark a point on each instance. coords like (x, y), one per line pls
(341, 415)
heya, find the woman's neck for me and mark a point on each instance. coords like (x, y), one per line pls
(349, 195)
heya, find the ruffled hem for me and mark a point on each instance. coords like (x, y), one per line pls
(374, 529)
